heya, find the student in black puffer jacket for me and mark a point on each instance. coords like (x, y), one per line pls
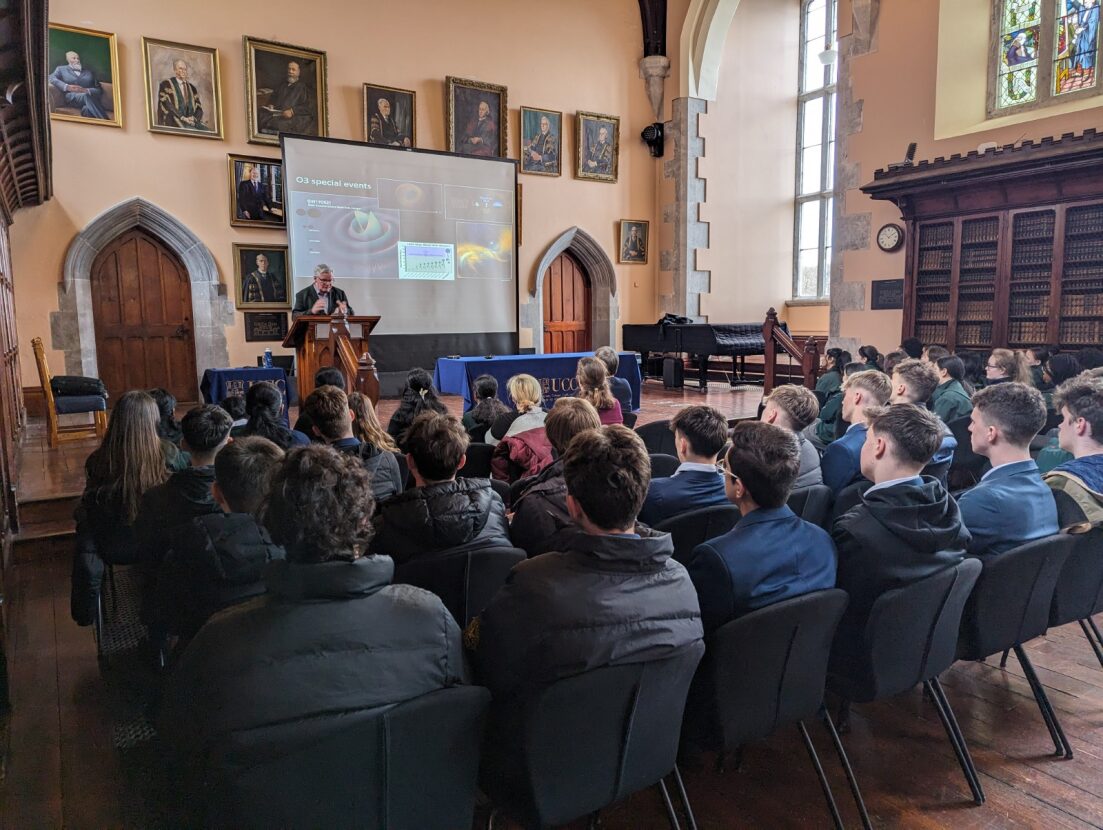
(332, 637)
(218, 560)
(442, 513)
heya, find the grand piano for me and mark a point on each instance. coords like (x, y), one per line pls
(700, 341)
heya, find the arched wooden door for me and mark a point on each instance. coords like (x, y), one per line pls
(141, 304)
(566, 306)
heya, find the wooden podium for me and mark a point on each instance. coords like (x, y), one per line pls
(321, 340)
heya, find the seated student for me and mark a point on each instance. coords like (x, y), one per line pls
(700, 433)
(950, 401)
(1090, 358)
(235, 406)
(621, 388)
(793, 408)
(487, 409)
(906, 527)
(1058, 369)
(540, 509)
(932, 354)
(169, 429)
(913, 347)
(914, 381)
(329, 413)
(218, 560)
(892, 360)
(1011, 504)
(832, 378)
(830, 425)
(593, 386)
(1080, 402)
(771, 554)
(841, 462)
(975, 369)
(610, 594)
(1005, 365)
(442, 513)
(527, 413)
(418, 396)
(873, 358)
(365, 423)
(1036, 358)
(326, 376)
(264, 405)
(186, 494)
(332, 637)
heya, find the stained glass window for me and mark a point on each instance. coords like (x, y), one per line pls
(815, 150)
(1075, 46)
(1044, 49)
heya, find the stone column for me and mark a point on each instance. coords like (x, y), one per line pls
(684, 147)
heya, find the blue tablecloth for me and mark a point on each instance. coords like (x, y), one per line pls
(556, 373)
(221, 383)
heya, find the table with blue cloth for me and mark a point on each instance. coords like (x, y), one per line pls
(556, 373)
(218, 384)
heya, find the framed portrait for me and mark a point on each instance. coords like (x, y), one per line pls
(256, 192)
(285, 90)
(389, 116)
(261, 280)
(541, 141)
(478, 123)
(633, 241)
(183, 89)
(84, 76)
(597, 139)
(265, 325)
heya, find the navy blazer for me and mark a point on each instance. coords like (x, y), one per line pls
(842, 460)
(681, 492)
(1009, 507)
(622, 391)
(770, 555)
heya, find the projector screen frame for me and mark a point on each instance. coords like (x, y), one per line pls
(516, 207)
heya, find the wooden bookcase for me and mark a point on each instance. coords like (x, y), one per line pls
(1004, 248)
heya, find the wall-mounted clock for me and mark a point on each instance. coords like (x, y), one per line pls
(890, 238)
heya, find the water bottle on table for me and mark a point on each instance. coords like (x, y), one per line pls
(267, 358)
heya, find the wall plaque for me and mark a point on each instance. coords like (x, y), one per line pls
(887, 294)
(265, 325)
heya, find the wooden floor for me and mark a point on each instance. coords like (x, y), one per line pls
(60, 768)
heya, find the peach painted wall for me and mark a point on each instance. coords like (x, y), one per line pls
(570, 55)
(749, 165)
(897, 84)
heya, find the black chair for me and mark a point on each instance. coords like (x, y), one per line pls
(663, 466)
(966, 467)
(941, 470)
(658, 438)
(848, 498)
(813, 503)
(478, 461)
(403, 470)
(630, 419)
(503, 490)
(1010, 606)
(464, 580)
(1079, 592)
(691, 529)
(1069, 511)
(477, 433)
(766, 670)
(910, 638)
(584, 743)
(361, 769)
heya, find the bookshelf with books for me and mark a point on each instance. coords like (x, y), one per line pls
(1005, 247)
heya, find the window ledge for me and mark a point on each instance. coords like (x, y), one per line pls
(808, 302)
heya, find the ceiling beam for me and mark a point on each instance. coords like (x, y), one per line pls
(653, 18)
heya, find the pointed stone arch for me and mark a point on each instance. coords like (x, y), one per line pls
(604, 308)
(704, 32)
(72, 330)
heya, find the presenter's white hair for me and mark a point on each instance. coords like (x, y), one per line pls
(322, 268)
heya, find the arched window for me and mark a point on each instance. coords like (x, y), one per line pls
(1045, 51)
(815, 150)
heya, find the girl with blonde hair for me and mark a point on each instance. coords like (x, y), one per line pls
(366, 427)
(528, 409)
(1004, 365)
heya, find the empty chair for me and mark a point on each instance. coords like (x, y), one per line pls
(69, 395)
(766, 670)
(478, 461)
(697, 526)
(1079, 592)
(911, 638)
(585, 742)
(1010, 605)
(813, 504)
(465, 580)
(663, 466)
(364, 769)
(658, 438)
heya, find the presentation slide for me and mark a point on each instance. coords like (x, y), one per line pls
(425, 240)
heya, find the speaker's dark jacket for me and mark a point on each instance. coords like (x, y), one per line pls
(305, 299)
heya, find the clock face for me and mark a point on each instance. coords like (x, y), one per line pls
(890, 237)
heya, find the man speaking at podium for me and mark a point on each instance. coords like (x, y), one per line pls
(321, 297)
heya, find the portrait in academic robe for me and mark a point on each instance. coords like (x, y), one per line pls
(285, 89)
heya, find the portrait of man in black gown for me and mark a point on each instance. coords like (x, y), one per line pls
(287, 91)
